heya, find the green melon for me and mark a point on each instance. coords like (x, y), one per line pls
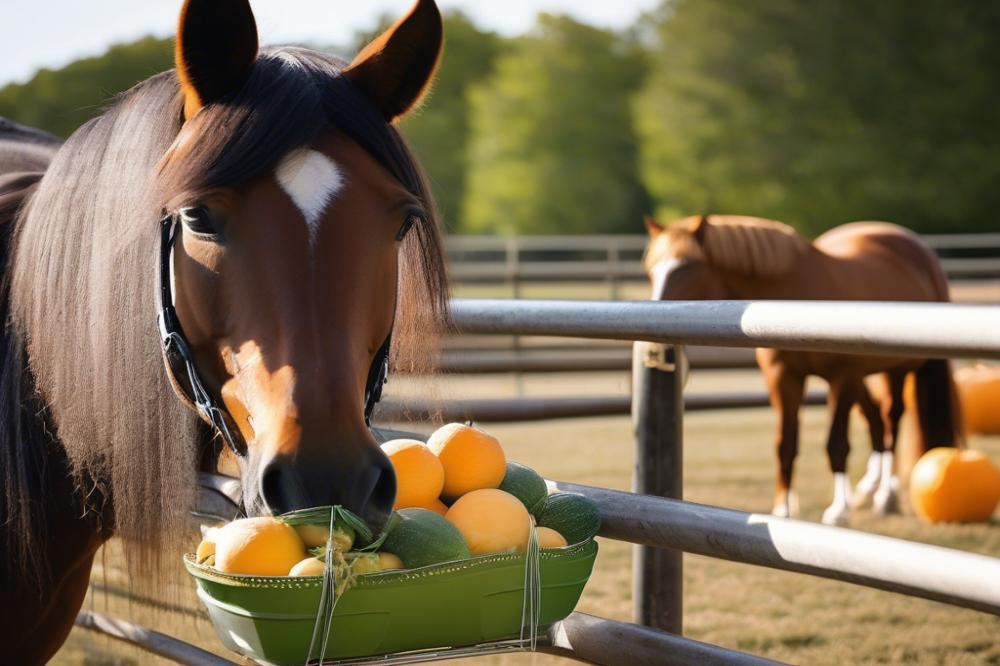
(573, 516)
(421, 537)
(525, 484)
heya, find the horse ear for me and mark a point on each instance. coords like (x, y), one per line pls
(394, 70)
(215, 50)
(653, 228)
(701, 228)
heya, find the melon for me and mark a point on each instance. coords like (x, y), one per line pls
(573, 516)
(492, 521)
(258, 546)
(954, 485)
(421, 537)
(472, 459)
(310, 566)
(525, 484)
(314, 536)
(549, 538)
(419, 473)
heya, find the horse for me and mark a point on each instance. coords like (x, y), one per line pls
(215, 272)
(722, 257)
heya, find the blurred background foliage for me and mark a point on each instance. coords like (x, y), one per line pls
(812, 113)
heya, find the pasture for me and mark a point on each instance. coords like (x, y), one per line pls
(728, 462)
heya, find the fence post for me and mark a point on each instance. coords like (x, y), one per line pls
(657, 421)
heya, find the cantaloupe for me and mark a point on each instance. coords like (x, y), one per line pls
(491, 521)
(258, 546)
(419, 473)
(472, 459)
(525, 484)
(573, 516)
(549, 538)
(437, 506)
(421, 537)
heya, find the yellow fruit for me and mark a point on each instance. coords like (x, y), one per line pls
(491, 521)
(419, 474)
(437, 506)
(258, 546)
(979, 391)
(953, 485)
(388, 561)
(314, 536)
(549, 538)
(472, 459)
(366, 563)
(308, 567)
(205, 549)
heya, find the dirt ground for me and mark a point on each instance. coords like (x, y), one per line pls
(728, 462)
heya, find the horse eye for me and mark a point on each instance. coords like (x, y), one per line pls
(411, 218)
(199, 220)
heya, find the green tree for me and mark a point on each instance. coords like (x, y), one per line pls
(439, 130)
(61, 100)
(552, 147)
(824, 112)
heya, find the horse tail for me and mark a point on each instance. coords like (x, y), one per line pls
(938, 410)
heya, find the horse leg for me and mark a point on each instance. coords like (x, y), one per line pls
(786, 390)
(869, 483)
(843, 394)
(886, 498)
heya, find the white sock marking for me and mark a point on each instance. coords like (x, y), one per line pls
(312, 180)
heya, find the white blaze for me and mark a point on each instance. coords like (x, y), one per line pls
(312, 180)
(661, 271)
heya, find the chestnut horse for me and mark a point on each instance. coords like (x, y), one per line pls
(723, 257)
(248, 232)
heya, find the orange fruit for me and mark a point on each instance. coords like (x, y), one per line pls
(549, 538)
(258, 546)
(491, 521)
(419, 474)
(953, 485)
(437, 506)
(472, 459)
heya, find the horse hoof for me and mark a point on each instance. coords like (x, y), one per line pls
(885, 503)
(837, 516)
(863, 498)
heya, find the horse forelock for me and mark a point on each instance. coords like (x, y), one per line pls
(751, 246)
(82, 278)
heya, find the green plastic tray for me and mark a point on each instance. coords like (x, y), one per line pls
(455, 604)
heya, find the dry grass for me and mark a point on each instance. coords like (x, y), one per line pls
(784, 616)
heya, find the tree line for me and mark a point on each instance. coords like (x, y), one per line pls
(812, 113)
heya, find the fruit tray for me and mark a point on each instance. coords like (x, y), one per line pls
(454, 604)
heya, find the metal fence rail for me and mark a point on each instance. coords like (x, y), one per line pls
(930, 572)
(891, 329)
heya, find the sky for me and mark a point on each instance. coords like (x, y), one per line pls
(52, 33)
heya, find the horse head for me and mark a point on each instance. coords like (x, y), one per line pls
(285, 282)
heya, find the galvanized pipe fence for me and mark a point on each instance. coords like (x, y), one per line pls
(662, 525)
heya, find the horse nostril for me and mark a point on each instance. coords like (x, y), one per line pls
(274, 487)
(382, 496)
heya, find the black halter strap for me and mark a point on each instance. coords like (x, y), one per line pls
(183, 372)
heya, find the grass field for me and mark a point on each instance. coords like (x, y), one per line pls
(728, 462)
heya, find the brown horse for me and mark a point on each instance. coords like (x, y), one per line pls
(264, 200)
(745, 258)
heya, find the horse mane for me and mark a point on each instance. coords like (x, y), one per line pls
(80, 282)
(749, 246)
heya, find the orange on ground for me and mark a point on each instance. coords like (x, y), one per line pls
(953, 485)
(491, 521)
(549, 538)
(979, 391)
(471, 458)
(419, 474)
(258, 546)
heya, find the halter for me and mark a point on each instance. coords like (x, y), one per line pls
(183, 372)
